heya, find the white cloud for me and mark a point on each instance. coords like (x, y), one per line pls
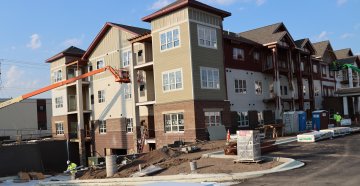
(341, 2)
(12, 76)
(346, 35)
(260, 2)
(73, 41)
(160, 4)
(35, 42)
(322, 36)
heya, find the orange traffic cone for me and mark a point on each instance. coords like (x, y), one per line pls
(228, 136)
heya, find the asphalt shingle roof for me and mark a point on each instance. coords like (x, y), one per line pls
(264, 35)
(136, 30)
(343, 53)
(320, 48)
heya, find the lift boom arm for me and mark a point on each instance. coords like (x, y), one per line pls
(122, 78)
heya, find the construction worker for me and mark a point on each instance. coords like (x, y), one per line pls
(72, 169)
(337, 118)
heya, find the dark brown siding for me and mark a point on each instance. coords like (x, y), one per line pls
(41, 114)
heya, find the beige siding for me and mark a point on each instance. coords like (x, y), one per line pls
(169, 20)
(173, 59)
(207, 57)
(204, 17)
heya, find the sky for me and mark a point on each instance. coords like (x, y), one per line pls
(32, 31)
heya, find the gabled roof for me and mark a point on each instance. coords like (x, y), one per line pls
(267, 34)
(236, 37)
(343, 53)
(178, 4)
(71, 51)
(301, 43)
(134, 30)
(348, 60)
(320, 48)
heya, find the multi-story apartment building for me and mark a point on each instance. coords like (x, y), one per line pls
(188, 77)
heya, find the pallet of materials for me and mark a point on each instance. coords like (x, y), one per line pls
(355, 129)
(338, 131)
(314, 136)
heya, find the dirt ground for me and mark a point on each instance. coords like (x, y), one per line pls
(176, 162)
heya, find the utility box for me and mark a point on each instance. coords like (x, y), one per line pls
(248, 145)
(320, 119)
(302, 121)
(291, 122)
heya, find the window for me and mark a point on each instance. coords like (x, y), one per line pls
(258, 87)
(256, 56)
(260, 118)
(100, 64)
(212, 118)
(59, 128)
(101, 96)
(172, 80)
(59, 102)
(323, 71)
(207, 37)
(174, 122)
(304, 90)
(285, 90)
(170, 39)
(317, 91)
(142, 90)
(315, 69)
(269, 62)
(281, 90)
(102, 126)
(301, 66)
(129, 125)
(57, 76)
(240, 86)
(126, 58)
(238, 54)
(92, 99)
(243, 119)
(332, 74)
(209, 78)
(127, 91)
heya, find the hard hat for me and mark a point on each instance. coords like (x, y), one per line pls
(68, 162)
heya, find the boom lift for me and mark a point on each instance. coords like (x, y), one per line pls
(122, 77)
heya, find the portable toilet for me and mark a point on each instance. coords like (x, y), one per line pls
(320, 119)
(291, 122)
(302, 121)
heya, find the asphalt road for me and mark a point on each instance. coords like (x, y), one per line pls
(329, 162)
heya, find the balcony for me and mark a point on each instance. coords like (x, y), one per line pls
(72, 105)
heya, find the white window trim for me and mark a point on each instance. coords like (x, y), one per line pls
(60, 105)
(96, 63)
(172, 32)
(262, 90)
(213, 113)
(246, 89)
(170, 71)
(201, 78)
(177, 120)
(128, 58)
(127, 92)
(246, 121)
(127, 126)
(56, 131)
(103, 96)
(57, 77)
(101, 129)
(210, 28)
(237, 54)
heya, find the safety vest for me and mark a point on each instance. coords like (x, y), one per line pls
(337, 117)
(72, 168)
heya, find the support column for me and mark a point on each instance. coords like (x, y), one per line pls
(345, 106)
(278, 106)
(80, 119)
(134, 93)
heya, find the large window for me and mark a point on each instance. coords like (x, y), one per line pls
(127, 91)
(101, 96)
(315, 69)
(57, 75)
(258, 87)
(59, 128)
(129, 125)
(207, 36)
(100, 64)
(102, 126)
(260, 118)
(209, 78)
(238, 54)
(174, 122)
(212, 118)
(170, 39)
(243, 119)
(240, 86)
(256, 56)
(126, 58)
(172, 80)
(59, 102)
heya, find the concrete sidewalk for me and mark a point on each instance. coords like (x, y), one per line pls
(288, 164)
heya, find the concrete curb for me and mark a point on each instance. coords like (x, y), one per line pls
(288, 164)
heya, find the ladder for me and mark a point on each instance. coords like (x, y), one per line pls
(143, 132)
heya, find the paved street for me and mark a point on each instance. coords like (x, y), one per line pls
(330, 162)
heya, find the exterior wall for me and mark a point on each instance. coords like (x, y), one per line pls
(175, 58)
(29, 120)
(114, 138)
(59, 92)
(65, 121)
(194, 121)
